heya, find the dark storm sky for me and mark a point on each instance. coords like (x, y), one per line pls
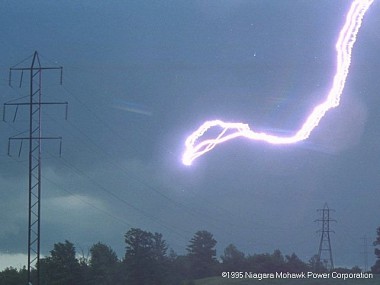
(142, 75)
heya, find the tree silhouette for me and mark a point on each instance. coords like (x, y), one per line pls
(103, 264)
(144, 257)
(62, 267)
(376, 267)
(233, 259)
(12, 276)
(201, 252)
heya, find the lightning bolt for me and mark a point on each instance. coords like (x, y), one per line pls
(195, 147)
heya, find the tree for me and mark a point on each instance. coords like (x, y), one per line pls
(145, 257)
(138, 255)
(160, 260)
(260, 263)
(233, 259)
(178, 268)
(62, 267)
(316, 265)
(278, 261)
(294, 264)
(201, 252)
(103, 264)
(355, 269)
(376, 267)
(12, 276)
(267, 263)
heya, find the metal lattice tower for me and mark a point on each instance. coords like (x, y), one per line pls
(365, 252)
(35, 139)
(325, 252)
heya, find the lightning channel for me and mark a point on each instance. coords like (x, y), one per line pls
(226, 131)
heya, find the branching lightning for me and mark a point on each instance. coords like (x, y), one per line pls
(195, 147)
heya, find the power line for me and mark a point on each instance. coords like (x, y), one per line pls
(114, 195)
(75, 196)
(139, 179)
(126, 172)
(119, 198)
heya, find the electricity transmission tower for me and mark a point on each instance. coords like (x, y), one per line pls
(35, 139)
(365, 252)
(325, 243)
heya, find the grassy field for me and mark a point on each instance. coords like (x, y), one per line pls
(223, 281)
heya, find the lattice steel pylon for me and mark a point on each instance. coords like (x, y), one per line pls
(365, 252)
(35, 139)
(325, 243)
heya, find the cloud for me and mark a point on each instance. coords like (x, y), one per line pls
(16, 260)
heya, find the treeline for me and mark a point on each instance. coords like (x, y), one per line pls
(147, 261)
